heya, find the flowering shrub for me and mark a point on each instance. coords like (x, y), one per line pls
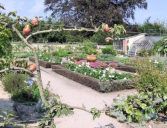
(113, 64)
(98, 64)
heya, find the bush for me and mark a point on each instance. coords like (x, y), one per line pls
(157, 45)
(16, 84)
(99, 38)
(143, 52)
(152, 97)
(109, 50)
(60, 53)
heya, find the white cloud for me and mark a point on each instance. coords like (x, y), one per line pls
(36, 9)
(11, 5)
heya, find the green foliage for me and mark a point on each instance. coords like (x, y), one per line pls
(8, 62)
(96, 72)
(109, 50)
(48, 57)
(158, 46)
(22, 55)
(137, 108)
(99, 38)
(116, 31)
(61, 53)
(149, 79)
(143, 53)
(47, 93)
(96, 113)
(151, 84)
(16, 84)
(163, 47)
(147, 26)
(90, 51)
(152, 80)
(124, 60)
(106, 58)
(6, 118)
(5, 46)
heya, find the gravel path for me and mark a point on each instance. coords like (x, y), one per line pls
(75, 94)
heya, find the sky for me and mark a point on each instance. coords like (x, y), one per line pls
(157, 10)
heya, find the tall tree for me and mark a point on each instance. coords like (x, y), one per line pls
(82, 11)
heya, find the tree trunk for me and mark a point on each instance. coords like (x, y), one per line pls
(39, 80)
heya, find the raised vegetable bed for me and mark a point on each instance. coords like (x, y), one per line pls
(126, 68)
(106, 86)
(43, 63)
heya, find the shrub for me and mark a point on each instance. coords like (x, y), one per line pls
(143, 52)
(61, 53)
(99, 38)
(16, 84)
(135, 108)
(109, 50)
(151, 84)
(152, 81)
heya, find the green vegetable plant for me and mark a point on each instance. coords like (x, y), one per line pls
(138, 108)
(124, 60)
(6, 118)
(151, 85)
(109, 50)
(163, 47)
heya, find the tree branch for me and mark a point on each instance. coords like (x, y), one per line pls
(84, 109)
(59, 30)
(21, 37)
(16, 68)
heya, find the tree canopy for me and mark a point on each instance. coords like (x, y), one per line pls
(81, 12)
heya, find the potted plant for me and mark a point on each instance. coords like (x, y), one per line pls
(91, 55)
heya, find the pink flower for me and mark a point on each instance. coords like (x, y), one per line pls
(98, 64)
(80, 62)
(113, 64)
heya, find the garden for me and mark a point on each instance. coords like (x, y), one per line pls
(104, 71)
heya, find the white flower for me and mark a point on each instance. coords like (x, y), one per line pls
(90, 73)
(85, 73)
(149, 60)
(156, 62)
(61, 62)
(120, 73)
(104, 71)
(26, 82)
(94, 70)
(103, 75)
(107, 69)
(112, 76)
(135, 73)
(71, 57)
(125, 78)
(79, 65)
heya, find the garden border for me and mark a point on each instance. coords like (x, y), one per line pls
(106, 86)
(43, 63)
(126, 68)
